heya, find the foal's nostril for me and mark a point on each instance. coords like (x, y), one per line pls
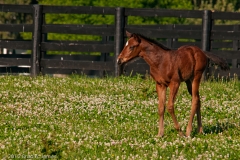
(119, 61)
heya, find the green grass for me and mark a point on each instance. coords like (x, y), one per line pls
(112, 118)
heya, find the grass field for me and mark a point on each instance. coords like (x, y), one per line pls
(112, 118)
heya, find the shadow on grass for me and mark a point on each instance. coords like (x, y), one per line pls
(217, 128)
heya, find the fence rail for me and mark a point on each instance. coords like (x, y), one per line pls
(222, 40)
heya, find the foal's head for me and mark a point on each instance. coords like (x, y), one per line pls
(131, 49)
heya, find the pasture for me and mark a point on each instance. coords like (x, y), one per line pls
(112, 118)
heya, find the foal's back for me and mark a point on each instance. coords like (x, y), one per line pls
(190, 60)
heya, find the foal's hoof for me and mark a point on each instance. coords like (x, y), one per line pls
(188, 133)
(200, 130)
(181, 134)
(159, 135)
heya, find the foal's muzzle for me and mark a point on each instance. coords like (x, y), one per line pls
(119, 61)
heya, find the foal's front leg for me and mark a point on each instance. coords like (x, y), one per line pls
(161, 91)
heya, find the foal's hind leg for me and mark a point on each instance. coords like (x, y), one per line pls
(174, 86)
(189, 86)
(193, 89)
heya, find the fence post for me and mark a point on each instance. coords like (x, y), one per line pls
(119, 37)
(44, 37)
(36, 38)
(206, 34)
(235, 47)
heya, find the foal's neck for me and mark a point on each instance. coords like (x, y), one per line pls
(153, 54)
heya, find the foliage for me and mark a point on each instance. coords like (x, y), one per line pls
(219, 6)
(211, 3)
(13, 18)
(100, 19)
(216, 5)
(112, 118)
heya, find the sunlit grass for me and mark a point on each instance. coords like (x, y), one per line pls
(112, 118)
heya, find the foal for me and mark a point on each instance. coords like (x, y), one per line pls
(169, 68)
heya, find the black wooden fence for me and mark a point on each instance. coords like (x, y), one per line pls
(222, 40)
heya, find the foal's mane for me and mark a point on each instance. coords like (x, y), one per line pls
(153, 41)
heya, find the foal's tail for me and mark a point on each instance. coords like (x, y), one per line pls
(218, 60)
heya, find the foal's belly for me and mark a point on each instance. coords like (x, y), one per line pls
(162, 76)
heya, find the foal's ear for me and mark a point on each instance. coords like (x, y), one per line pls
(129, 35)
(137, 38)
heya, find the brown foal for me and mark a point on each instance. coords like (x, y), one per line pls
(169, 68)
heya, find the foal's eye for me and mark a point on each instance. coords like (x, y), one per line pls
(131, 47)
